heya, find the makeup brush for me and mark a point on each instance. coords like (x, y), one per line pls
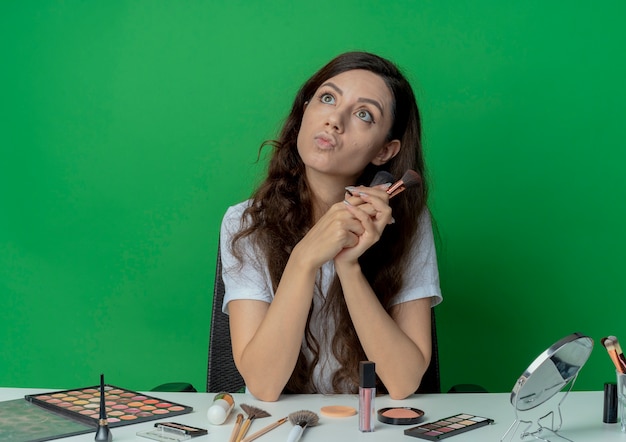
(253, 413)
(103, 434)
(620, 353)
(235, 432)
(610, 348)
(301, 420)
(409, 179)
(264, 430)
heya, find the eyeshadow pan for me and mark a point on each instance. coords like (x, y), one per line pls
(448, 427)
(123, 406)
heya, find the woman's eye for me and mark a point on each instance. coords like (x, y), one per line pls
(327, 98)
(365, 116)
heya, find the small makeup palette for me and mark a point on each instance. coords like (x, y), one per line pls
(400, 415)
(448, 427)
(123, 407)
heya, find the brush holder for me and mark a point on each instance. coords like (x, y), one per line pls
(621, 400)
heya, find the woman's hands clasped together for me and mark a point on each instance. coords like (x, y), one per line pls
(349, 227)
(370, 206)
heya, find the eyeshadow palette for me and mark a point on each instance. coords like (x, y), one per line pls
(21, 421)
(123, 407)
(448, 427)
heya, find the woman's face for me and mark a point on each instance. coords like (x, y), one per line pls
(345, 125)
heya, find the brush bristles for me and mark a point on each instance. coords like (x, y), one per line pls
(608, 343)
(616, 343)
(254, 412)
(614, 350)
(304, 418)
(411, 178)
(382, 177)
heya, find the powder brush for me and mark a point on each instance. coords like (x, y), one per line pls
(619, 352)
(609, 344)
(301, 420)
(409, 179)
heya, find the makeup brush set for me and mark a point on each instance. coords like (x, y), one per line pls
(409, 179)
(613, 348)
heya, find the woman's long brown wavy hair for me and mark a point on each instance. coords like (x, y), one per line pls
(281, 213)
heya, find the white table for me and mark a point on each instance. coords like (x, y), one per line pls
(582, 417)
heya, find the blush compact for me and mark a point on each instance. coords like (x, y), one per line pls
(400, 415)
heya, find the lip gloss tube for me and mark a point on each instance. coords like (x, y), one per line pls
(367, 393)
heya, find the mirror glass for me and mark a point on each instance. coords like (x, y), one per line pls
(551, 371)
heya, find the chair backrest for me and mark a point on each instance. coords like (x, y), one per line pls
(222, 375)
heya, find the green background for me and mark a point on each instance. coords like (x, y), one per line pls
(128, 127)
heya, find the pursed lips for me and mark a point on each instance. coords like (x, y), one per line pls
(325, 140)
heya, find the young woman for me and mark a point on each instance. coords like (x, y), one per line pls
(318, 277)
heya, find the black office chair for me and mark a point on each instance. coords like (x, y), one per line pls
(222, 375)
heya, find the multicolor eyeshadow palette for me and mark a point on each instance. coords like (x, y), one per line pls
(123, 406)
(21, 421)
(448, 427)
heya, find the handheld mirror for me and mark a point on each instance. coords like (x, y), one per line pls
(551, 371)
